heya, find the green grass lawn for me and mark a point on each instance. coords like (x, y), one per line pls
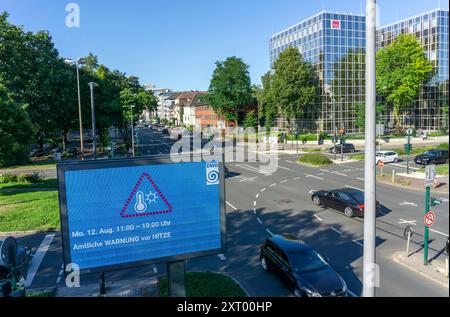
(206, 285)
(42, 164)
(314, 159)
(440, 170)
(358, 157)
(24, 207)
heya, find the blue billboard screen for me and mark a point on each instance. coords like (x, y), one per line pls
(129, 214)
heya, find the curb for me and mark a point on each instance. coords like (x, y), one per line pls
(436, 190)
(17, 233)
(247, 294)
(395, 258)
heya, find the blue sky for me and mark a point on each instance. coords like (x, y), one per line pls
(175, 43)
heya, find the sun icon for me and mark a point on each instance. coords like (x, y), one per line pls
(151, 198)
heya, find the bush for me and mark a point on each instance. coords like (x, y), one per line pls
(8, 178)
(314, 159)
(31, 178)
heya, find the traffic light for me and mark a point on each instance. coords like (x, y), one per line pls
(435, 202)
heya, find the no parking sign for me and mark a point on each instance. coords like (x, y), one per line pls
(430, 219)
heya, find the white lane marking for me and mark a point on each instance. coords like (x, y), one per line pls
(284, 181)
(263, 190)
(348, 186)
(296, 178)
(358, 243)
(259, 220)
(284, 168)
(38, 257)
(335, 230)
(316, 177)
(341, 174)
(222, 257)
(155, 270)
(248, 179)
(231, 206)
(348, 170)
(403, 221)
(324, 170)
(251, 168)
(290, 162)
(405, 203)
(273, 185)
(257, 196)
(254, 203)
(268, 175)
(361, 179)
(444, 200)
(320, 174)
(438, 232)
(269, 232)
(318, 218)
(254, 211)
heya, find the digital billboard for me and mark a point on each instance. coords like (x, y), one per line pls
(123, 213)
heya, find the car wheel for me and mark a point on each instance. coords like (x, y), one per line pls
(396, 160)
(316, 201)
(264, 264)
(348, 212)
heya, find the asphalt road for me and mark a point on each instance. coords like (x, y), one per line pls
(260, 204)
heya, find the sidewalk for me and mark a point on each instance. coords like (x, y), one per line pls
(435, 271)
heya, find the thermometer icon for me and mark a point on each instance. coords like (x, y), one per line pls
(140, 205)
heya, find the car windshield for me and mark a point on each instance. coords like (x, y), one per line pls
(430, 153)
(307, 261)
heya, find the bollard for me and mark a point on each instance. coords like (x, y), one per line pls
(446, 267)
(393, 176)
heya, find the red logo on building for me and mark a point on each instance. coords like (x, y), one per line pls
(336, 24)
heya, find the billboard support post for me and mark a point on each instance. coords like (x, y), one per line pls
(176, 275)
(102, 283)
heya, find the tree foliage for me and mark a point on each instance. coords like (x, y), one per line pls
(230, 89)
(401, 69)
(294, 85)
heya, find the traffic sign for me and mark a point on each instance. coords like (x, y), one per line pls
(410, 132)
(409, 231)
(430, 219)
(221, 125)
(430, 175)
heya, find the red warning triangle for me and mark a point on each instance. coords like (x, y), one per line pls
(143, 202)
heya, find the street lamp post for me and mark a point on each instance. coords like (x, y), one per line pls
(370, 267)
(132, 131)
(77, 63)
(94, 129)
(335, 130)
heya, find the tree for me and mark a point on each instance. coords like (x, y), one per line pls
(251, 120)
(401, 69)
(268, 110)
(16, 131)
(294, 85)
(230, 88)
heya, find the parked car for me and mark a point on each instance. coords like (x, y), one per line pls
(39, 153)
(386, 157)
(432, 157)
(347, 200)
(348, 148)
(73, 151)
(302, 267)
(165, 131)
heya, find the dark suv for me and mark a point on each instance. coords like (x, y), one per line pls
(302, 267)
(348, 148)
(432, 157)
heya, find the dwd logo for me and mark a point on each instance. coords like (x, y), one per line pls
(212, 173)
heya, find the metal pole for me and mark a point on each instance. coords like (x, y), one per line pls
(335, 130)
(79, 112)
(94, 132)
(132, 131)
(176, 272)
(427, 230)
(370, 270)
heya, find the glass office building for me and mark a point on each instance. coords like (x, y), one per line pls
(335, 45)
(431, 29)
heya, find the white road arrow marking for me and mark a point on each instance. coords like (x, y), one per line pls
(405, 203)
(411, 222)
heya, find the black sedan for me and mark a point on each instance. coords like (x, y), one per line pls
(432, 157)
(347, 148)
(347, 200)
(301, 267)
